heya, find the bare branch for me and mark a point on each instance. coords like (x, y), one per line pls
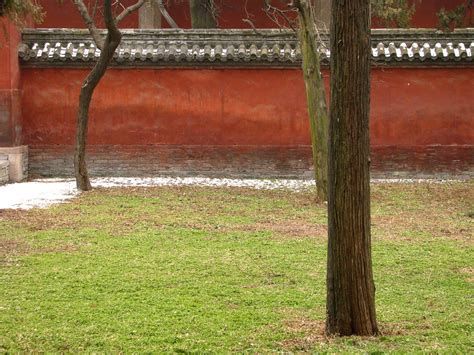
(295, 3)
(94, 9)
(166, 15)
(276, 14)
(113, 33)
(246, 20)
(95, 33)
(308, 20)
(127, 11)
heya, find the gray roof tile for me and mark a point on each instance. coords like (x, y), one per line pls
(237, 47)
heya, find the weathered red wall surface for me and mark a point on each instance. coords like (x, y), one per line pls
(232, 14)
(10, 93)
(418, 107)
(66, 14)
(219, 107)
(426, 14)
(241, 106)
(423, 115)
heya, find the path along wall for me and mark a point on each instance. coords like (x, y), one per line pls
(238, 121)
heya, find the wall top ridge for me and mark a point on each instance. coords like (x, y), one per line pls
(248, 48)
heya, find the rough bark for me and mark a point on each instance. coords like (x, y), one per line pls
(350, 285)
(108, 47)
(202, 13)
(315, 95)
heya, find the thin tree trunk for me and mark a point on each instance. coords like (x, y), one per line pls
(111, 42)
(202, 13)
(166, 14)
(315, 95)
(350, 285)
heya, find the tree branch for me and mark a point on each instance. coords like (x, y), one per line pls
(165, 14)
(274, 14)
(246, 20)
(129, 10)
(95, 33)
(94, 9)
(113, 33)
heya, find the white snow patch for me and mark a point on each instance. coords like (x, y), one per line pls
(413, 181)
(45, 192)
(35, 194)
(260, 184)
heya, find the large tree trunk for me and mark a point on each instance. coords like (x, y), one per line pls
(202, 13)
(350, 285)
(315, 95)
(111, 42)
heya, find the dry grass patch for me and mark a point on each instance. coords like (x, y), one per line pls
(468, 272)
(36, 220)
(407, 227)
(13, 247)
(306, 334)
(406, 212)
(11, 250)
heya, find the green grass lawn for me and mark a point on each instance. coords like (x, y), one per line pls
(214, 269)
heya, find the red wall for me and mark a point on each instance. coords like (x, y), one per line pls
(232, 14)
(426, 17)
(186, 106)
(10, 93)
(410, 107)
(66, 14)
(418, 107)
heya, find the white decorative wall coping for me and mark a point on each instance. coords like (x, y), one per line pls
(244, 48)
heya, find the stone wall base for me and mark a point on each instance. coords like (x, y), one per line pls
(3, 169)
(17, 162)
(245, 161)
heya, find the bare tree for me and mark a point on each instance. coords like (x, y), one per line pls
(107, 47)
(350, 285)
(310, 42)
(315, 93)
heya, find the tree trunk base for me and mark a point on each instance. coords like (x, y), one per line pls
(83, 184)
